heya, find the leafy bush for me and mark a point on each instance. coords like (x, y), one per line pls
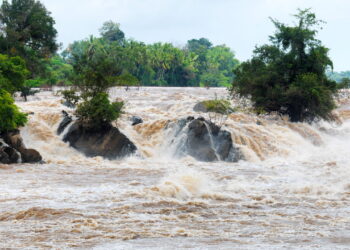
(70, 96)
(98, 110)
(12, 73)
(288, 76)
(11, 117)
(218, 106)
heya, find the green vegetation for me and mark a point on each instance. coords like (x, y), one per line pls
(11, 117)
(219, 106)
(159, 64)
(12, 73)
(96, 67)
(97, 111)
(289, 75)
(71, 97)
(12, 78)
(27, 31)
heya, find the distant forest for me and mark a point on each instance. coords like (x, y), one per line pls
(197, 63)
(338, 76)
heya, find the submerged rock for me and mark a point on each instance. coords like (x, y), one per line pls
(200, 107)
(12, 149)
(136, 120)
(204, 140)
(106, 141)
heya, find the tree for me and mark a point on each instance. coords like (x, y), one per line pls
(289, 75)
(98, 111)
(111, 31)
(221, 62)
(12, 73)
(11, 117)
(27, 30)
(97, 67)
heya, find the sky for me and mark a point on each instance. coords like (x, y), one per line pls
(240, 24)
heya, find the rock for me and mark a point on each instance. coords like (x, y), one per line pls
(13, 149)
(199, 142)
(68, 104)
(200, 107)
(136, 120)
(107, 141)
(67, 119)
(203, 140)
(14, 139)
(30, 156)
(4, 158)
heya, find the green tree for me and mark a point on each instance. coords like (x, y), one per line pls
(221, 62)
(12, 73)
(289, 75)
(97, 66)
(11, 117)
(27, 30)
(98, 111)
(111, 31)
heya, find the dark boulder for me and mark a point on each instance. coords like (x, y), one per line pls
(200, 107)
(106, 141)
(68, 104)
(199, 141)
(67, 119)
(136, 120)
(203, 140)
(31, 156)
(13, 149)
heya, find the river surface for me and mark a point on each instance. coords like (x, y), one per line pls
(291, 191)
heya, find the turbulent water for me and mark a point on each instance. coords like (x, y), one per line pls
(291, 191)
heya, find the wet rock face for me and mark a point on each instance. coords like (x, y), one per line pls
(12, 149)
(106, 141)
(200, 107)
(206, 141)
(199, 142)
(67, 119)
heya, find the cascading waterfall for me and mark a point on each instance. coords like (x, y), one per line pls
(292, 189)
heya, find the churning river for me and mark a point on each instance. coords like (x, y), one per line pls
(291, 191)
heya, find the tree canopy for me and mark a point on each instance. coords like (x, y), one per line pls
(289, 74)
(27, 30)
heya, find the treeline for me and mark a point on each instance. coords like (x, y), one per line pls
(198, 63)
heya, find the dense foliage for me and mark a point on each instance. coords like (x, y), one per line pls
(159, 64)
(12, 73)
(289, 75)
(11, 117)
(27, 31)
(98, 110)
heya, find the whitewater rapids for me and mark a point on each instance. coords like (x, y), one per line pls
(291, 191)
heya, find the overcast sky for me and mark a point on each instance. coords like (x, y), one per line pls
(240, 24)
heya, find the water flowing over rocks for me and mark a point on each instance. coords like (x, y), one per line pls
(67, 119)
(106, 141)
(203, 140)
(13, 150)
(290, 192)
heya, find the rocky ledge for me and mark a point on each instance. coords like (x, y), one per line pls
(203, 140)
(13, 150)
(106, 141)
